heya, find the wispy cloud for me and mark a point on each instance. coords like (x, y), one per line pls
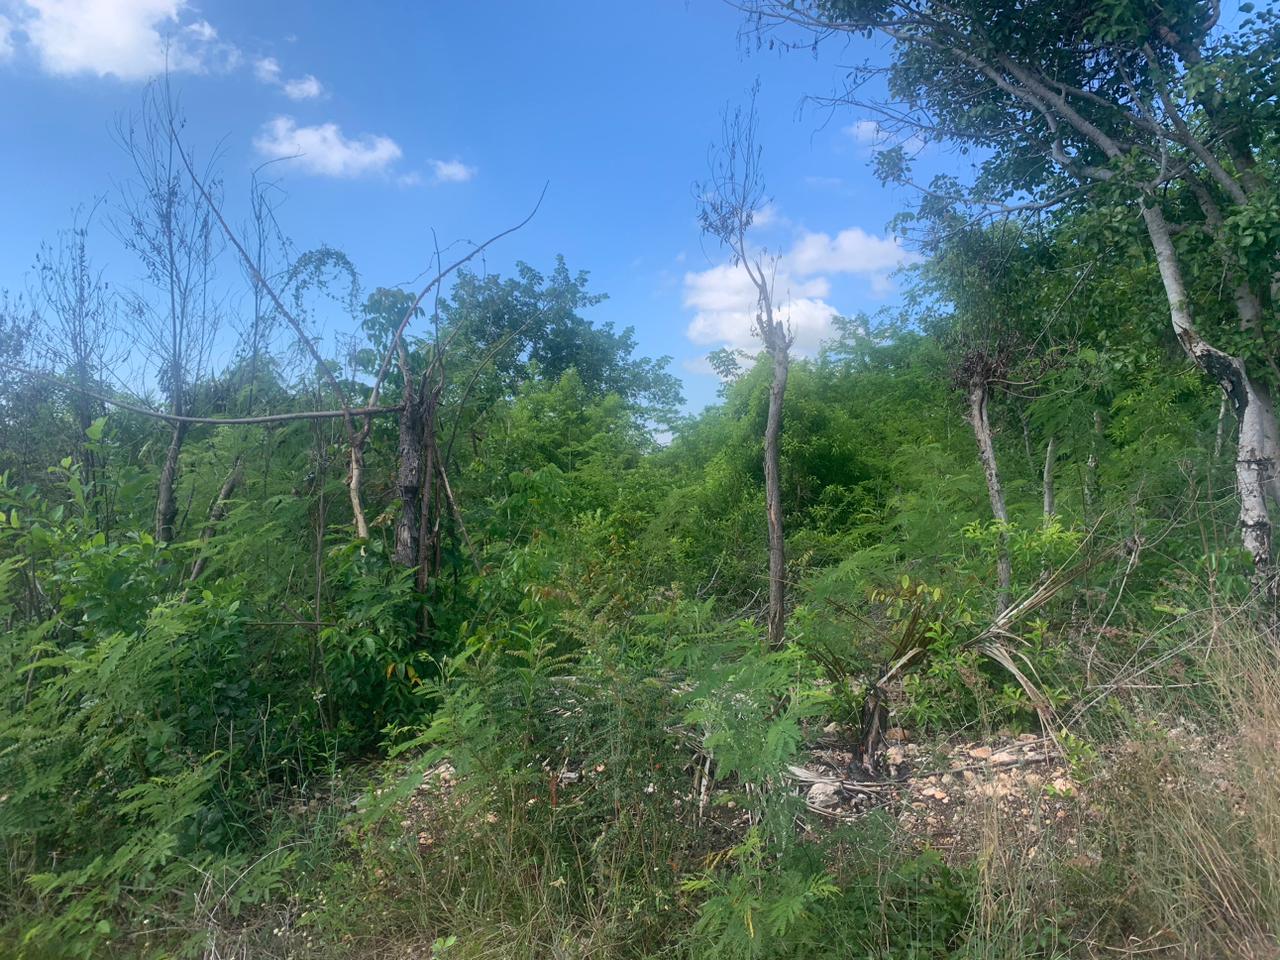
(824, 183)
(865, 132)
(768, 216)
(452, 171)
(324, 150)
(268, 71)
(6, 37)
(870, 135)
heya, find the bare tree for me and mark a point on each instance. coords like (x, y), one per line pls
(78, 321)
(727, 205)
(21, 444)
(269, 251)
(164, 222)
(421, 471)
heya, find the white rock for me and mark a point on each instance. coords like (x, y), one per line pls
(824, 794)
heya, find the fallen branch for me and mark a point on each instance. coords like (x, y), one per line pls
(216, 421)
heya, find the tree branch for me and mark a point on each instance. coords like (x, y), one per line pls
(175, 418)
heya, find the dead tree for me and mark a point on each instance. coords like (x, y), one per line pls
(164, 222)
(727, 205)
(78, 322)
(419, 462)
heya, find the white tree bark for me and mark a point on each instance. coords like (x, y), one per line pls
(1050, 455)
(1258, 445)
(355, 477)
(979, 393)
(773, 492)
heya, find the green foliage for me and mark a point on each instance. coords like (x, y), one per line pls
(134, 744)
(578, 738)
(757, 906)
(373, 656)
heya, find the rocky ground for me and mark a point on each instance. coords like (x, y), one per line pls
(938, 792)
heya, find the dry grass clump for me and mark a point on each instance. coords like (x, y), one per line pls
(1195, 814)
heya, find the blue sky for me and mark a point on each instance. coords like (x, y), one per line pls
(400, 117)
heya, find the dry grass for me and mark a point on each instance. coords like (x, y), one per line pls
(1176, 849)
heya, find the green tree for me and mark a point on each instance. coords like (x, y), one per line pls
(1129, 105)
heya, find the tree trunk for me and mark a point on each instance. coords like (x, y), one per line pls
(1257, 454)
(166, 495)
(1092, 488)
(428, 518)
(409, 481)
(1050, 455)
(355, 478)
(773, 496)
(979, 394)
(1258, 445)
(1269, 418)
(216, 514)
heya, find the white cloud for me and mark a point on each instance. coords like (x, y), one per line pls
(724, 300)
(324, 150)
(866, 133)
(850, 251)
(452, 171)
(126, 39)
(882, 285)
(442, 171)
(767, 216)
(303, 88)
(871, 136)
(202, 30)
(267, 70)
(6, 37)
(808, 319)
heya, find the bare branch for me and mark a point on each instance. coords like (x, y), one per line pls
(434, 283)
(216, 421)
